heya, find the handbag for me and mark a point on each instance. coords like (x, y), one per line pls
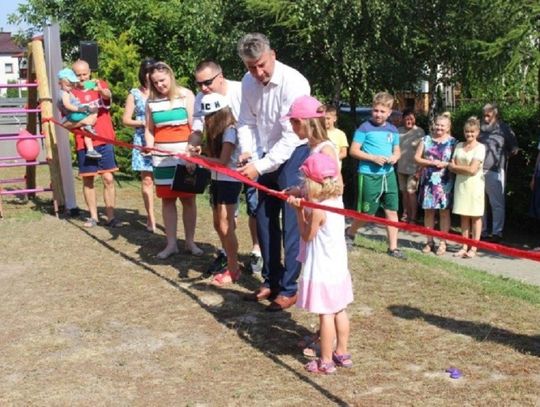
(193, 182)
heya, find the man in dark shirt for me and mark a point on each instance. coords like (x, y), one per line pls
(501, 143)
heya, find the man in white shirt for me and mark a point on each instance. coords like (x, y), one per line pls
(209, 78)
(268, 90)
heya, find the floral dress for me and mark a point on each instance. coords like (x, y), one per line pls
(138, 162)
(436, 184)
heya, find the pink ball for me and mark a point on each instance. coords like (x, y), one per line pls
(27, 148)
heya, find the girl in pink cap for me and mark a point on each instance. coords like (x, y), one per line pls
(308, 120)
(325, 284)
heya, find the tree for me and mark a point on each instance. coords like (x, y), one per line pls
(510, 46)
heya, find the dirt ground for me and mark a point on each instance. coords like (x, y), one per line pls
(91, 317)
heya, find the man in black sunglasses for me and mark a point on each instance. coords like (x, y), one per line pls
(209, 78)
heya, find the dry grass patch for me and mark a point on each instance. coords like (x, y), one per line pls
(89, 316)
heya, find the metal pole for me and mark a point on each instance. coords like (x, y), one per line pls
(53, 59)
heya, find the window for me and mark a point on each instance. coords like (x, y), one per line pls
(9, 68)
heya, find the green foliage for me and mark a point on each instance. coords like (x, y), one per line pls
(119, 64)
(14, 92)
(347, 49)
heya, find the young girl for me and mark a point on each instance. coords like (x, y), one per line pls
(73, 111)
(469, 186)
(308, 120)
(325, 285)
(436, 183)
(222, 147)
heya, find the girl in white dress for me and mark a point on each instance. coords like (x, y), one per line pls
(325, 286)
(469, 185)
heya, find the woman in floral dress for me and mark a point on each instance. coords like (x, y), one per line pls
(433, 154)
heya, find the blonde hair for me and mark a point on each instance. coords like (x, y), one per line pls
(383, 98)
(445, 116)
(215, 125)
(174, 90)
(315, 129)
(472, 123)
(330, 188)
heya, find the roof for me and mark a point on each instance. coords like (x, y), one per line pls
(7, 46)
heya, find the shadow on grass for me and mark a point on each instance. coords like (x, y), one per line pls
(280, 332)
(529, 345)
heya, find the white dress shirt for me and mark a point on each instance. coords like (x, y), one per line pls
(261, 116)
(233, 96)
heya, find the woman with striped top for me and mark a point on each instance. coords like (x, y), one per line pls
(169, 115)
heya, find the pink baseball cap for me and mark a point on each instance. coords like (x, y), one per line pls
(304, 107)
(319, 166)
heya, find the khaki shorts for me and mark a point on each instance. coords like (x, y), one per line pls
(408, 182)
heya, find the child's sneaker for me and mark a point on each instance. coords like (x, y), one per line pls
(342, 360)
(255, 263)
(90, 129)
(218, 265)
(93, 154)
(318, 366)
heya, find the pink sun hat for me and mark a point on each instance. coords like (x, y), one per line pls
(319, 166)
(305, 107)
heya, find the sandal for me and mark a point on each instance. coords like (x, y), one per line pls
(441, 249)
(312, 351)
(318, 366)
(470, 254)
(225, 278)
(461, 253)
(90, 223)
(344, 360)
(428, 248)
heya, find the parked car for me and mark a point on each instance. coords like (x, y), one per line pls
(363, 113)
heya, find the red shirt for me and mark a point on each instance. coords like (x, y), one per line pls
(103, 126)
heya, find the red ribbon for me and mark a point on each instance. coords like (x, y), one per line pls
(493, 247)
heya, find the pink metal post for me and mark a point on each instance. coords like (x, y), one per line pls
(18, 85)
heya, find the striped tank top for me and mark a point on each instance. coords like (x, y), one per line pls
(170, 119)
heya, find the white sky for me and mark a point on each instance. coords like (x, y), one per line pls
(9, 7)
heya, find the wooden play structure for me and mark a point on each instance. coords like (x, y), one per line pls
(38, 131)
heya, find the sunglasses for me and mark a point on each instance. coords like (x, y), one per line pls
(207, 82)
(158, 66)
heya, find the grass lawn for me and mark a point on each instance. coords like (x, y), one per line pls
(90, 316)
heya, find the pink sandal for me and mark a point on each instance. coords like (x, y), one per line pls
(318, 366)
(227, 277)
(344, 360)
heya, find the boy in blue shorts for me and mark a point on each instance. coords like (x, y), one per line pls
(376, 146)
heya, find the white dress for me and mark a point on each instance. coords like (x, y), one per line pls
(325, 284)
